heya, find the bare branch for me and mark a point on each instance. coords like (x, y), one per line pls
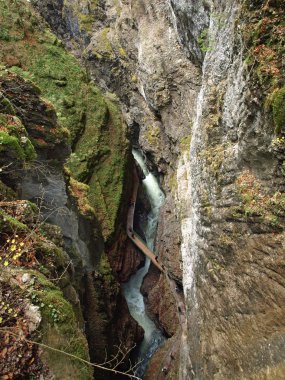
(71, 355)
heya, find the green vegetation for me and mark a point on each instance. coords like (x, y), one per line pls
(59, 328)
(6, 194)
(263, 28)
(204, 41)
(152, 134)
(185, 143)
(10, 145)
(100, 160)
(106, 271)
(267, 208)
(278, 109)
(10, 224)
(103, 45)
(94, 122)
(36, 54)
(106, 48)
(13, 139)
(263, 31)
(53, 81)
(26, 252)
(79, 10)
(6, 106)
(214, 157)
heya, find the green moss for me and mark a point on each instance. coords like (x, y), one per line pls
(84, 13)
(108, 49)
(122, 52)
(185, 143)
(106, 271)
(60, 330)
(278, 109)
(44, 249)
(103, 45)
(45, 62)
(205, 41)
(6, 106)
(152, 135)
(11, 144)
(214, 157)
(13, 139)
(86, 21)
(29, 150)
(265, 207)
(105, 199)
(134, 78)
(4, 34)
(10, 224)
(97, 132)
(80, 192)
(100, 159)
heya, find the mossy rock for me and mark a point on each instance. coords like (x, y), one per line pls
(185, 143)
(97, 131)
(84, 12)
(13, 139)
(10, 145)
(59, 329)
(45, 63)
(152, 134)
(6, 106)
(101, 159)
(61, 325)
(10, 224)
(278, 110)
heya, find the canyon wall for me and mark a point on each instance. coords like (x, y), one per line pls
(64, 147)
(233, 181)
(201, 88)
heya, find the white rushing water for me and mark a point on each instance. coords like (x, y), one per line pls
(152, 336)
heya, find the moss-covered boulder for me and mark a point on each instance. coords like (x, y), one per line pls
(14, 141)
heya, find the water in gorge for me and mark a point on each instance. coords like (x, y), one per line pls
(152, 335)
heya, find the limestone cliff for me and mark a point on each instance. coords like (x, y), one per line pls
(201, 85)
(233, 182)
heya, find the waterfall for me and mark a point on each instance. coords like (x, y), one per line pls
(152, 335)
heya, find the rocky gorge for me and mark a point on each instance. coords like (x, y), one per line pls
(198, 87)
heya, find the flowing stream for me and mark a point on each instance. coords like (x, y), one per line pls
(152, 336)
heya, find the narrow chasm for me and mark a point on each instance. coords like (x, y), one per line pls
(142, 192)
(154, 197)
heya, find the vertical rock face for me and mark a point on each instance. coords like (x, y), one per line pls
(205, 74)
(233, 228)
(191, 21)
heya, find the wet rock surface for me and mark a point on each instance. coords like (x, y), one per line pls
(221, 173)
(162, 310)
